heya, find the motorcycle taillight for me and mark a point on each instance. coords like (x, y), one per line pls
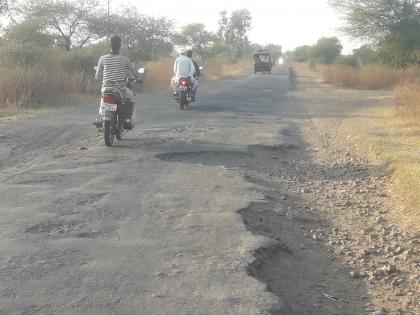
(183, 82)
(110, 99)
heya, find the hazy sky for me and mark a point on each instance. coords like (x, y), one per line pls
(288, 23)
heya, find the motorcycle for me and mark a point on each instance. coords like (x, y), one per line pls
(183, 91)
(114, 112)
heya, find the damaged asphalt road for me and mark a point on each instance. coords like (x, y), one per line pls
(194, 212)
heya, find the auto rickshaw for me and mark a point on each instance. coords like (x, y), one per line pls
(262, 61)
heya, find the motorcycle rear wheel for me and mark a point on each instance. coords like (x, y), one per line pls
(109, 132)
(183, 101)
(119, 129)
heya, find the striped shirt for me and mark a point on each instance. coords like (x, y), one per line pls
(114, 69)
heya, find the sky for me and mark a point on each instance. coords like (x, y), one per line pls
(287, 23)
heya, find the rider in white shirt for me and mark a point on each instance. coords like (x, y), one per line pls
(184, 67)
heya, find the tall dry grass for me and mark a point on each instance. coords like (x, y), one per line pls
(215, 69)
(369, 77)
(159, 73)
(23, 88)
(405, 82)
(402, 124)
(407, 98)
(31, 79)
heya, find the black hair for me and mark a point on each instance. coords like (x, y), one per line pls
(115, 44)
(189, 53)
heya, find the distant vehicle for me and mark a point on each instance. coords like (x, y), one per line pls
(263, 62)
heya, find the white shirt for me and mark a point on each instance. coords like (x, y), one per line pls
(184, 67)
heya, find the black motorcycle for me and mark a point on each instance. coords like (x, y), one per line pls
(183, 91)
(115, 110)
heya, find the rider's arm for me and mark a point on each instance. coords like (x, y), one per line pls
(99, 70)
(197, 69)
(192, 69)
(131, 69)
(175, 66)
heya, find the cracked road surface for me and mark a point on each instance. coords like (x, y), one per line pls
(194, 212)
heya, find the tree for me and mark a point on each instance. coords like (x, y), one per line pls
(196, 36)
(222, 51)
(326, 50)
(233, 30)
(365, 55)
(29, 34)
(238, 27)
(223, 24)
(302, 53)
(142, 35)
(4, 6)
(67, 21)
(275, 51)
(393, 25)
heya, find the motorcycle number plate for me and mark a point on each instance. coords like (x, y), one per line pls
(183, 88)
(109, 107)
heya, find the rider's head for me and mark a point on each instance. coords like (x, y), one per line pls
(189, 53)
(115, 44)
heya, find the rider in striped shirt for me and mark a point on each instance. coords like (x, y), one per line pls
(113, 69)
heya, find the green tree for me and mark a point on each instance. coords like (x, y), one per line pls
(28, 33)
(222, 51)
(196, 36)
(365, 55)
(240, 22)
(275, 51)
(301, 53)
(326, 50)
(4, 6)
(393, 25)
(234, 30)
(223, 25)
(144, 36)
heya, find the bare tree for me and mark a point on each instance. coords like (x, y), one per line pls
(68, 21)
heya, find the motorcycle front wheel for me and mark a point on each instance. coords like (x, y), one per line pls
(109, 132)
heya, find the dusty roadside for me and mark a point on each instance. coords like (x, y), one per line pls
(374, 236)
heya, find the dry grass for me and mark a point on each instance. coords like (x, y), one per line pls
(54, 78)
(369, 77)
(408, 101)
(215, 69)
(393, 142)
(23, 88)
(399, 149)
(392, 132)
(159, 73)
